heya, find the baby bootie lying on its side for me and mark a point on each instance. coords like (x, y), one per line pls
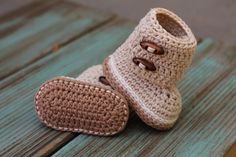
(86, 104)
(146, 68)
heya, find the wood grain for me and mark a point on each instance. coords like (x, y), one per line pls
(47, 39)
(20, 129)
(42, 29)
(205, 125)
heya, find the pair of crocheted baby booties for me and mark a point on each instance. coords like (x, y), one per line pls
(142, 73)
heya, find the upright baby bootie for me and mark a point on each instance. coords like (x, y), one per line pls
(146, 68)
(86, 104)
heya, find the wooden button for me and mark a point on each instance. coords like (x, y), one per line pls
(103, 80)
(152, 47)
(143, 62)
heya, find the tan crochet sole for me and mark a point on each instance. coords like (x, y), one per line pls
(70, 105)
(139, 110)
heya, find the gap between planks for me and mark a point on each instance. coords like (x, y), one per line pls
(94, 141)
(56, 49)
(120, 29)
(57, 43)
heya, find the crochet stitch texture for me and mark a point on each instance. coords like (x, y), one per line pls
(147, 67)
(82, 105)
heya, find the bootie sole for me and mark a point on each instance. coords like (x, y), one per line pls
(67, 104)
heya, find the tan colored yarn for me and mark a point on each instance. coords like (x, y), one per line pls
(149, 84)
(91, 75)
(83, 105)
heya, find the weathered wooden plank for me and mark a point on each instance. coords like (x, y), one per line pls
(10, 5)
(41, 30)
(20, 129)
(210, 128)
(11, 21)
(206, 109)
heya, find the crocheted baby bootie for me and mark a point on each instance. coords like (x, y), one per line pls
(146, 68)
(86, 104)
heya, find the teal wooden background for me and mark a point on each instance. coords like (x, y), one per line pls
(59, 37)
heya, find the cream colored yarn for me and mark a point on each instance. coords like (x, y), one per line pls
(91, 75)
(153, 94)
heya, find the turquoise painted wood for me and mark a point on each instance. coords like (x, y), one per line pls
(41, 30)
(20, 129)
(59, 37)
(205, 125)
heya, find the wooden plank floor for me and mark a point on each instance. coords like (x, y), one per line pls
(40, 29)
(52, 38)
